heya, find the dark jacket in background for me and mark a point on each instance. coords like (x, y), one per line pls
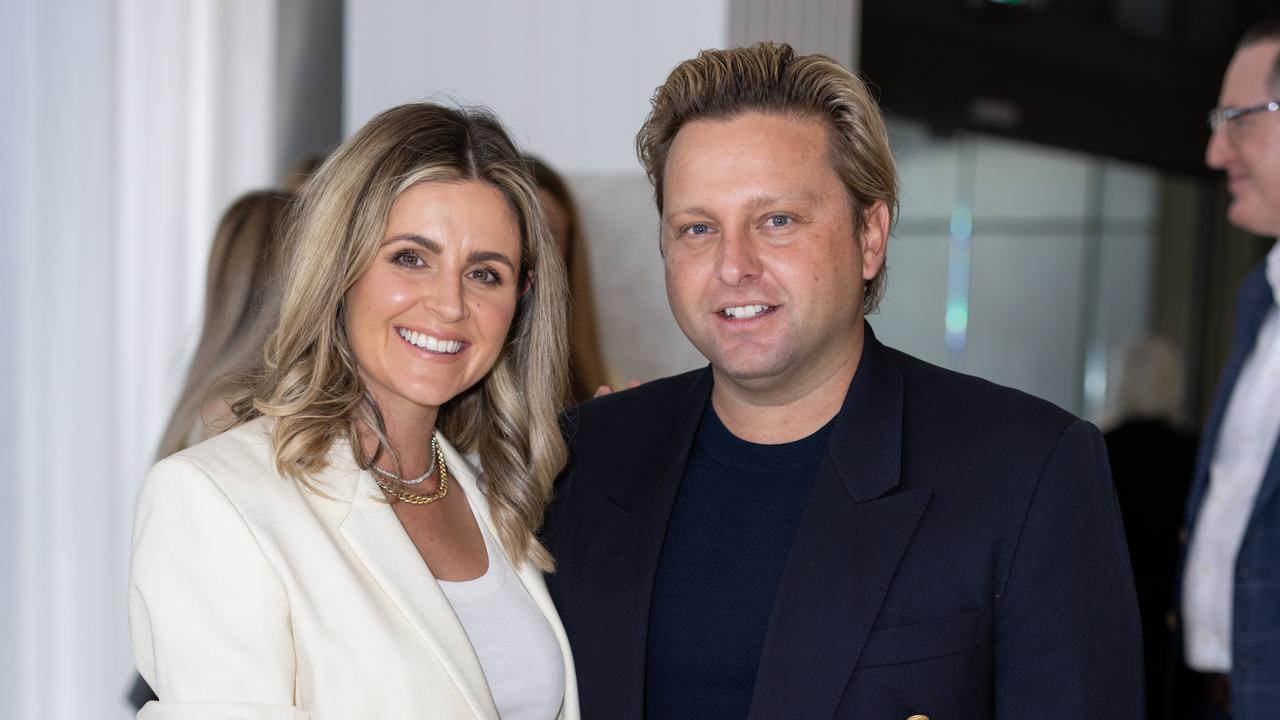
(1151, 465)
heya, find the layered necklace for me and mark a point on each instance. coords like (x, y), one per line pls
(437, 460)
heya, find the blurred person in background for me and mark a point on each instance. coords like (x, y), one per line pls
(1152, 458)
(587, 371)
(361, 543)
(301, 172)
(242, 298)
(1229, 610)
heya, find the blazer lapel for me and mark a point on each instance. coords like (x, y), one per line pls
(627, 543)
(377, 538)
(851, 537)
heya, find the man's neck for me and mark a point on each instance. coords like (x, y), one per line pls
(793, 410)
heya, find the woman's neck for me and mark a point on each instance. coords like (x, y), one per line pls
(409, 437)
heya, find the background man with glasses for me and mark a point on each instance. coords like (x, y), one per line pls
(1230, 589)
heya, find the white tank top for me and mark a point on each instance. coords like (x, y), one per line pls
(517, 648)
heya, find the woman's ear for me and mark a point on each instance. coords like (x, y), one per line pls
(528, 284)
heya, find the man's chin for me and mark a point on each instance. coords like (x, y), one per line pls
(1244, 213)
(750, 372)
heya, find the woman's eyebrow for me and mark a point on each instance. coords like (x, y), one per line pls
(490, 256)
(426, 243)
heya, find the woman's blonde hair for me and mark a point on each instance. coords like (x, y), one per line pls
(309, 380)
(771, 78)
(242, 294)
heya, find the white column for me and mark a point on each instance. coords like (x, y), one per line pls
(127, 125)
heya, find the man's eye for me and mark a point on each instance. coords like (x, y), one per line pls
(779, 221)
(698, 229)
(407, 258)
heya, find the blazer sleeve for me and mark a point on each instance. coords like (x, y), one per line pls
(1068, 636)
(208, 616)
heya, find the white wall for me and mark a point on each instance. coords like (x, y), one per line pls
(571, 79)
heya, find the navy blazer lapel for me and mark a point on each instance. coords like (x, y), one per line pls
(851, 537)
(1255, 299)
(628, 544)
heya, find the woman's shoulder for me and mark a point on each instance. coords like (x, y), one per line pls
(239, 463)
(243, 447)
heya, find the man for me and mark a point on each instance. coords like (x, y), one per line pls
(1230, 589)
(818, 526)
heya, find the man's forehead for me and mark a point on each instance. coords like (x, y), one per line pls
(785, 150)
(1249, 77)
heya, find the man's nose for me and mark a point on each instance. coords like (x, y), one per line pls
(1219, 151)
(739, 259)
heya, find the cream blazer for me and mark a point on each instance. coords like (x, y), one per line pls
(252, 598)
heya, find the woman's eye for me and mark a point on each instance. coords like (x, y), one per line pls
(408, 258)
(486, 276)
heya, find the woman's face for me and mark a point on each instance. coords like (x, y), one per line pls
(429, 318)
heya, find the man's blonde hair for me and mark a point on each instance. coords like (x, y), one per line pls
(771, 78)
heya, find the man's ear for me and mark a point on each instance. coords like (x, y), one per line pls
(874, 238)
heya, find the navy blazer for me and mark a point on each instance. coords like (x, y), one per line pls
(960, 556)
(1255, 631)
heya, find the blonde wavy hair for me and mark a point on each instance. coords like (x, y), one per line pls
(309, 380)
(771, 78)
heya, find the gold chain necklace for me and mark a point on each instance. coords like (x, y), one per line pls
(419, 498)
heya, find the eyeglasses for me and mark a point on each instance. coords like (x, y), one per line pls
(1218, 117)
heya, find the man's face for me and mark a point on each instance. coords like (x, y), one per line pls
(1248, 147)
(764, 274)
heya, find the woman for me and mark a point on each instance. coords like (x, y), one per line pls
(338, 554)
(587, 371)
(242, 293)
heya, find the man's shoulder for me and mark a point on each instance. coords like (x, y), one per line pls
(626, 410)
(945, 398)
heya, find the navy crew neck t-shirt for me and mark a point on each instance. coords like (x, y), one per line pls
(732, 526)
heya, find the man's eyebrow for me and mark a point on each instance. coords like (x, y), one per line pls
(687, 211)
(426, 243)
(754, 203)
(764, 200)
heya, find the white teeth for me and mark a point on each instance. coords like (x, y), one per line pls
(426, 342)
(744, 311)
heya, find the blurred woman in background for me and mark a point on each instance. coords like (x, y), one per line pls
(587, 370)
(241, 299)
(361, 543)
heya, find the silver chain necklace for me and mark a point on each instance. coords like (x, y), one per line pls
(433, 450)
